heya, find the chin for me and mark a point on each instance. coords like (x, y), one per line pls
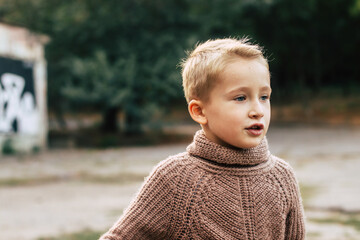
(250, 144)
(240, 142)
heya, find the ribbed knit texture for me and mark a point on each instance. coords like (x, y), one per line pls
(206, 149)
(215, 192)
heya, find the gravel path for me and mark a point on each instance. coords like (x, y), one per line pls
(65, 191)
(327, 163)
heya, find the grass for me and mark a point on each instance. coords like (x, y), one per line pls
(345, 219)
(94, 138)
(83, 235)
(120, 178)
(307, 192)
(15, 182)
(349, 219)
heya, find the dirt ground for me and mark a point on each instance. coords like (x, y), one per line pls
(66, 191)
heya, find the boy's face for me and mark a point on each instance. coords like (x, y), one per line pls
(238, 110)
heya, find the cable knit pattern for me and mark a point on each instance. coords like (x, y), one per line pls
(215, 192)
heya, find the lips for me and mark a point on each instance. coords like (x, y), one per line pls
(255, 129)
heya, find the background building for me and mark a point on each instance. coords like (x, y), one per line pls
(23, 112)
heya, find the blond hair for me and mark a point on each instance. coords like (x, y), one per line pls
(203, 65)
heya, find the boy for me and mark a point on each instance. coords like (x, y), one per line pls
(226, 185)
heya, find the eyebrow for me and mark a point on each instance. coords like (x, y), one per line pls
(265, 88)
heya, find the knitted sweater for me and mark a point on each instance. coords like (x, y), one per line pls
(215, 192)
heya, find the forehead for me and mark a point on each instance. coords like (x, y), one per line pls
(247, 72)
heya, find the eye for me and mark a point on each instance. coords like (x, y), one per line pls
(241, 98)
(265, 97)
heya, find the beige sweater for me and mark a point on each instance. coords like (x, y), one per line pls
(215, 192)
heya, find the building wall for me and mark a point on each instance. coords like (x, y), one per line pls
(23, 111)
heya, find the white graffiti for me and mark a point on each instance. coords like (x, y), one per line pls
(17, 113)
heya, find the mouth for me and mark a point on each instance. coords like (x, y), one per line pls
(255, 129)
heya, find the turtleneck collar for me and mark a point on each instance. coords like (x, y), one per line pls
(204, 148)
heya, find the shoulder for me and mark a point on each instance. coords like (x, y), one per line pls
(170, 165)
(168, 171)
(282, 166)
(162, 182)
(284, 172)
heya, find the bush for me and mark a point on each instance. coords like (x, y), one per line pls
(8, 147)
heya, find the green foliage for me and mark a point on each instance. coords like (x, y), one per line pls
(313, 43)
(8, 147)
(355, 8)
(121, 56)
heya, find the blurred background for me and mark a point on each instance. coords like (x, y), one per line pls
(115, 105)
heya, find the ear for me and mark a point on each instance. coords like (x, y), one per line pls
(196, 110)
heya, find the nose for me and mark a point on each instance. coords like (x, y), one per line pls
(256, 110)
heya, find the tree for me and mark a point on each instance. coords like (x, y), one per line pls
(121, 56)
(313, 43)
(117, 56)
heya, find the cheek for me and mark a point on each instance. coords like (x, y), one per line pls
(267, 115)
(268, 111)
(222, 117)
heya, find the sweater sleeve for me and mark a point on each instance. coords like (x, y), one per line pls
(151, 214)
(295, 222)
